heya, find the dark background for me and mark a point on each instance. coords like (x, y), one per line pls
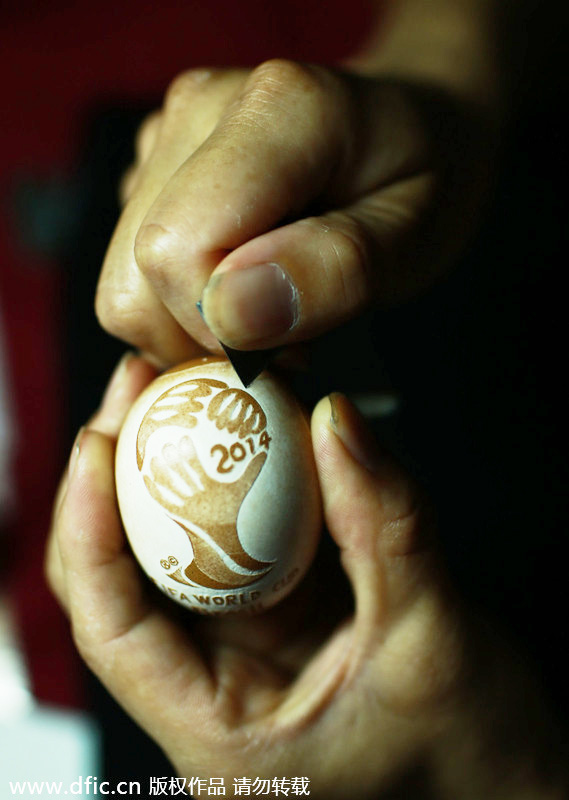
(479, 362)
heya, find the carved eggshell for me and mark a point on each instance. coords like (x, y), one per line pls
(217, 488)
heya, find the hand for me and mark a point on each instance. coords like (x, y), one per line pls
(405, 685)
(287, 199)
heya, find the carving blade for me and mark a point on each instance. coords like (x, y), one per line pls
(248, 364)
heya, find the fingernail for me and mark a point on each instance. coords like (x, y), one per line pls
(256, 304)
(118, 375)
(75, 450)
(353, 431)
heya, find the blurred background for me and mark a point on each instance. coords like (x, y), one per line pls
(477, 365)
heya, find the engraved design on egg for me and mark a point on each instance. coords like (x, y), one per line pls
(206, 508)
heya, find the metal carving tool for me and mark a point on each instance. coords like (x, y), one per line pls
(248, 364)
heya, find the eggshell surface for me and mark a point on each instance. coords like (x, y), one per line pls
(217, 488)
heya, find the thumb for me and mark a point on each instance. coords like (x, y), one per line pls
(306, 203)
(377, 516)
(302, 279)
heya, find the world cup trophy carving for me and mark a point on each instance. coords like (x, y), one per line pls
(206, 508)
(201, 444)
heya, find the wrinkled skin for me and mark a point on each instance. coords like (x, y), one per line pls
(288, 199)
(337, 178)
(355, 697)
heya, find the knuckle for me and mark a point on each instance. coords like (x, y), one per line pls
(155, 250)
(97, 644)
(410, 532)
(399, 535)
(185, 86)
(120, 315)
(194, 104)
(82, 643)
(350, 245)
(87, 646)
(279, 79)
(282, 72)
(146, 134)
(126, 184)
(358, 247)
(344, 254)
(52, 576)
(107, 309)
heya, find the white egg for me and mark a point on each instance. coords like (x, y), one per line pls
(217, 488)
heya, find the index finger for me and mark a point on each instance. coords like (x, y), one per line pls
(144, 659)
(270, 154)
(128, 305)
